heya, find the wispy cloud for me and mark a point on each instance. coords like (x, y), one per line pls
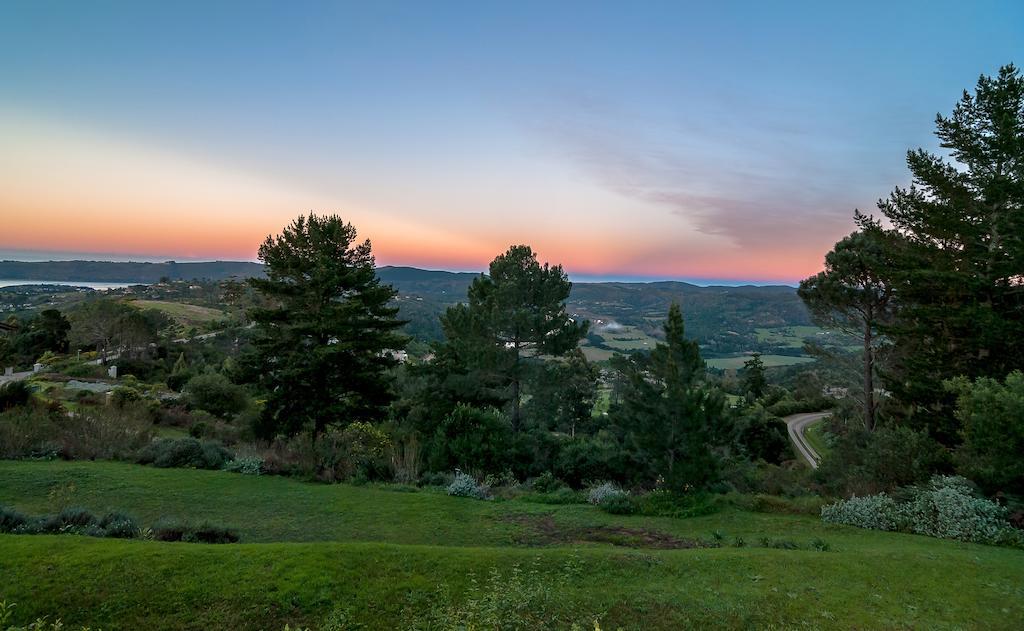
(757, 185)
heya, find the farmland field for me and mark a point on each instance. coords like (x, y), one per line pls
(381, 556)
(769, 361)
(184, 314)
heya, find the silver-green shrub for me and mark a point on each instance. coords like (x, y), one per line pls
(465, 485)
(604, 492)
(946, 508)
(247, 465)
(876, 512)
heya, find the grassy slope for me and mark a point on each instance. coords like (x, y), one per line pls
(184, 314)
(814, 433)
(869, 579)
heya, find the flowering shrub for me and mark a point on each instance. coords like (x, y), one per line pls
(946, 508)
(606, 491)
(465, 485)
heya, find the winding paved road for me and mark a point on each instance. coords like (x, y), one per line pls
(18, 376)
(796, 423)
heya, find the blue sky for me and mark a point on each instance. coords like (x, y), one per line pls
(662, 140)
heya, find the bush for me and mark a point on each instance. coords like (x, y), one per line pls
(168, 529)
(664, 503)
(119, 526)
(946, 508)
(564, 495)
(585, 458)
(991, 414)
(435, 478)
(14, 394)
(464, 485)
(184, 453)
(471, 438)
(76, 516)
(36, 431)
(546, 483)
(359, 451)
(210, 533)
(11, 519)
(214, 393)
(599, 493)
(875, 512)
(618, 504)
(249, 465)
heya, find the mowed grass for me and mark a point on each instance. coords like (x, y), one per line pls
(770, 361)
(184, 314)
(380, 554)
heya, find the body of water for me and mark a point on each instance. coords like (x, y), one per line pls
(72, 283)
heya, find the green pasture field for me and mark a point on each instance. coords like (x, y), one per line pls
(379, 556)
(770, 361)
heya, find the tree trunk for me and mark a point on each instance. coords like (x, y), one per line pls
(869, 382)
(515, 389)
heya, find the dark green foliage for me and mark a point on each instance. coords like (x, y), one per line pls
(168, 529)
(322, 349)
(562, 394)
(210, 533)
(214, 393)
(619, 504)
(763, 436)
(960, 255)
(76, 516)
(492, 342)
(34, 336)
(119, 525)
(865, 462)
(184, 453)
(590, 458)
(14, 394)
(664, 503)
(754, 381)
(563, 495)
(669, 413)
(180, 374)
(546, 483)
(992, 414)
(10, 519)
(854, 295)
(471, 439)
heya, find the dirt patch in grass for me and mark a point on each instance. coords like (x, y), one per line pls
(542, 530)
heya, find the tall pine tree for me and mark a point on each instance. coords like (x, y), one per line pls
(323, 348)
(960, 273)
(669, 413)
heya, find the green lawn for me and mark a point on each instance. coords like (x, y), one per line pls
(769, 361)
(381, 554)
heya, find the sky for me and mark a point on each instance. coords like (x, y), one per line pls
(646, 140)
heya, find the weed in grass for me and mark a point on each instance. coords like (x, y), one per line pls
(820, 545)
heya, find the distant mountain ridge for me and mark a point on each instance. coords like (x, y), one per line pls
(126, 272)
(717, 315)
